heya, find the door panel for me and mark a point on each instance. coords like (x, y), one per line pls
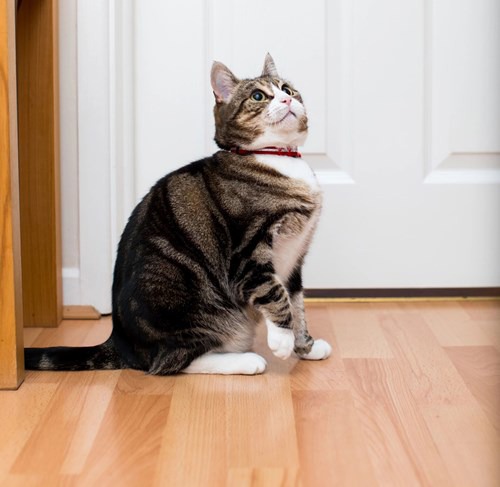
(404, 120)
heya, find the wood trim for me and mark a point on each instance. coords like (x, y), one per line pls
(11, 321)
(38, 112)
(76, 312)
(402, 294)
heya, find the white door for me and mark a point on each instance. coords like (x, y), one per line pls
(404, 111)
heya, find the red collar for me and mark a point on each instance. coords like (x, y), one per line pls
(275, 151)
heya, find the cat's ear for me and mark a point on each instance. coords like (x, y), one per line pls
(270, 67)
(223, 82)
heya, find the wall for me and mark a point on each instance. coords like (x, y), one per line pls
(69, 149)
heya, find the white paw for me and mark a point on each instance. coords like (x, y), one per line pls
(280, 340)
(250, 363)
(319, 351)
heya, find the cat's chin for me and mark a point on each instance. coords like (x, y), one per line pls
(279, 136)
(284, 135)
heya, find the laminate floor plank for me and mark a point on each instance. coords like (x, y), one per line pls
(401, 447)
(467, 443)
(261, 409)
(358, 334)
(20, 413)
(428, 371)
(480, 370)
(409, 397)
(126, 447)
(332, 446)
(465, 330)
(193, 444)
(482, 310)
(30, 335)
(492, 329)
(263, 477)
(327, 374)
(97, 401)
(46, 447)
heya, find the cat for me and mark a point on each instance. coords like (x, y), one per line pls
(216, 247)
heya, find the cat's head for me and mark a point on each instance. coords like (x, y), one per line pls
(255, 113)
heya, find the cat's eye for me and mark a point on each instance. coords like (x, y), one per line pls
(287, 90)
(258, 95)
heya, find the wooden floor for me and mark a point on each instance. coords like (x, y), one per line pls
(411, 396)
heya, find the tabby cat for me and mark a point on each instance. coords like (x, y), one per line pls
(216, 247)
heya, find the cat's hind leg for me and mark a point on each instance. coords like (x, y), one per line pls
(233, 356)
(229, 363)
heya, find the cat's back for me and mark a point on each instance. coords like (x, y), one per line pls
(174, 207)
(199, 195)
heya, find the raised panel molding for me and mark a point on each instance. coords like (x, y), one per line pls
(448, 158)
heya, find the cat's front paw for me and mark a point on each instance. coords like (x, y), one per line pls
(280, 340)
(303, 343)
(319, 351)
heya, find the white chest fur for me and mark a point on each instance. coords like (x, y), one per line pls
(292, 167)
(288, 249)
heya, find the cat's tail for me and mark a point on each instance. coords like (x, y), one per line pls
(103, 356)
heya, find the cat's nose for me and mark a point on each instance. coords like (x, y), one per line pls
(287, 100)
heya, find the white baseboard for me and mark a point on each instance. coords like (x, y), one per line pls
(71, 286)
(75, 293)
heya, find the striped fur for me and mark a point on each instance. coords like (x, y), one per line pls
(197, 265)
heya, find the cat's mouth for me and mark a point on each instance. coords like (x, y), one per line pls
(288, 114)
